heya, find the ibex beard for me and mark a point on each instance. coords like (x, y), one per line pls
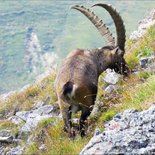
(77, 78)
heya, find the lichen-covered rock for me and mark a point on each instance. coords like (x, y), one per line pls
(129, 132)
(30, 119)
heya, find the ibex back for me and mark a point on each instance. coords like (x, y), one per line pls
(77, 78)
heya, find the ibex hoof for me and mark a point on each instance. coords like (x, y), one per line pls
(72, 134)
(83, 133)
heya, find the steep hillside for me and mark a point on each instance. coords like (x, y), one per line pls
(30, 121)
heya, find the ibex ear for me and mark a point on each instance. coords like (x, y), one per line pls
(117, 51)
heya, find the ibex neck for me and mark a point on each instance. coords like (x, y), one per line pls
(103, 59)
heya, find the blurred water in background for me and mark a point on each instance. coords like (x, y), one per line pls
(36, 34)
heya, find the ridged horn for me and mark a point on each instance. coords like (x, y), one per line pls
(101, 27)
(120, 28)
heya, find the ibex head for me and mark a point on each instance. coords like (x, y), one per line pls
(76, 81)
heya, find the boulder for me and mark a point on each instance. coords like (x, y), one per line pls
(111, 77)
(129, 132)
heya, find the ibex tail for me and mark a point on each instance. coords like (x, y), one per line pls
(69, 90)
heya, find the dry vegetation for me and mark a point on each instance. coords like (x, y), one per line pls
(25, 99)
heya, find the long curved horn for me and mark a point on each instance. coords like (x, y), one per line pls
(102, 28)
(120, 28)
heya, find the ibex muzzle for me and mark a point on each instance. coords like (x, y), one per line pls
(77, 79)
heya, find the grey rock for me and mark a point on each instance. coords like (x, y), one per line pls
(75, 121)
(6, 136)
(97, 132)
(30, 139)
(96, 108)
(145, 61)
(6, 139)
(2, 150)
(39, 104)
(129, 132)
(111, 77)
(31, 118)
(16, 120)
(5, 133)
(32, 122)
(23, 115)
(42, 147)
(137, 34)
(110, 89)
(60, 115)
(44, 110)
(15, 151)
(90, 148)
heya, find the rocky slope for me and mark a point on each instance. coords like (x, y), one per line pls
(128, 132)
(26, 122)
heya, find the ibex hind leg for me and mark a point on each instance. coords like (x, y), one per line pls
(84, 115)
(66, 115)
(68, 124)
(67, 119)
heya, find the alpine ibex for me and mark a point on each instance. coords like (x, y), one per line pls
(77, 79)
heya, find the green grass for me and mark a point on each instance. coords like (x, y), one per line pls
(144, 74)
(56, 141)
(142, 47)
(141, 93)
(108, 115)
(139, 89)
(46, 122)
(134, 95)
